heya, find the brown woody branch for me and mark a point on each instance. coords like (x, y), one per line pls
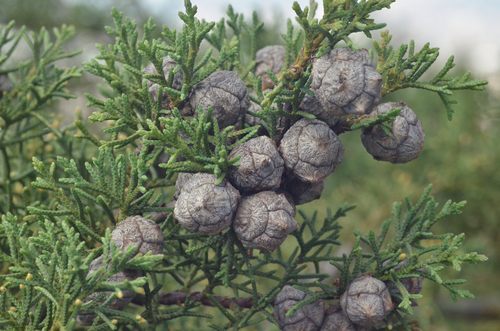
(178, 298)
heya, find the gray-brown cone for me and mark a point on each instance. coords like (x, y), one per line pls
(261, 166)
(311, 105)
(304, 192)
(407, 136)
(204, 207)
(168, 64)
(337, 320)
(264, 220)
(86, 318)
(269, 58)
(138, 231)
(366, 301)
(226, 93)
(345, 82)
(308, 318)
(182, 179)
(311, 150)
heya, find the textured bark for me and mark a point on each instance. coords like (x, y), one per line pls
(308, 318)
(311, 150)
(407, 136)
(345, 82)
(226, 93)
(264, 220)
(204, 207)
(261, 166)
(366, 301)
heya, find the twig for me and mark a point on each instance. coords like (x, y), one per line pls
(178, 298)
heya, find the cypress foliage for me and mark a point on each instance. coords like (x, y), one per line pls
(58, 205)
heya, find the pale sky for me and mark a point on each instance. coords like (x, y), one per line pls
(470, 29)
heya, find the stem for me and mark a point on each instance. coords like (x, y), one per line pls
(178, 298)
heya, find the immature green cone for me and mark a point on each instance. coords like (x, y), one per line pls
(366, 301)
(308, 318)
(407, 136)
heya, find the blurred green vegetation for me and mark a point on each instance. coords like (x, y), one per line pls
(461, 158)
(89, 14)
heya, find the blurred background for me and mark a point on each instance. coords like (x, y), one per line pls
(461, 158)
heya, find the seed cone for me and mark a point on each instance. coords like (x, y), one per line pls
(337, 320)
(204, 207)
(138, 231)
(303, 192)
(182, 179)
(264, 220)
(269, 58)
(407, 136)
(261, 166)
(345, 82)
(308, 318)
(153, 88)
(310, 104)
(226, 93)
(366, 301)
(85, 317)
(311, 150)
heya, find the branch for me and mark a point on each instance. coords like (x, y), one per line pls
(178, 298)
